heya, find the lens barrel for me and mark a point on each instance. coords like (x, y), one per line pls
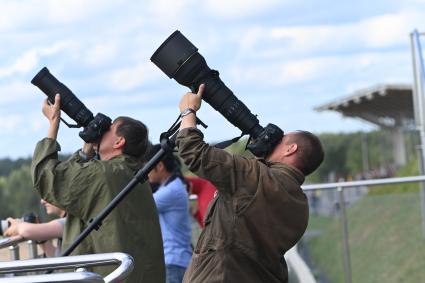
(70, 104)
(179, 59)
(173, 53)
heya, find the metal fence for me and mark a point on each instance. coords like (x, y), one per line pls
(357, 191)
(24, 271)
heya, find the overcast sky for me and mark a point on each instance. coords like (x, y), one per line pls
(280, 57)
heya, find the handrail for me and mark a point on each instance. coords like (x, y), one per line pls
(10, 241)
(43, 264)
(371, 182)
(80, 277)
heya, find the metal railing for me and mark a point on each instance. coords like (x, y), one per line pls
(13, 244)
(125, 261)
(340, 186)
(7, 242)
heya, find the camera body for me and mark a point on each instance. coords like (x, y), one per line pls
(94, 127)
(179, 59)
(27, 217)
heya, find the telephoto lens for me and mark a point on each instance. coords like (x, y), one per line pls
(94, 127)
(70, 104)
(179, 59)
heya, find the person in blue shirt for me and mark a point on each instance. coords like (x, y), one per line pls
(172, 202)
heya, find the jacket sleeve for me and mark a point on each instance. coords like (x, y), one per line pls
(67, 184)
(229, 173)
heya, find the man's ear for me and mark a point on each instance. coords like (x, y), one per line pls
(160, 166)
(291, 149)
(119, 143)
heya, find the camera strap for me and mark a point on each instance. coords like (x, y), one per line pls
(226, 143)
(176, 125)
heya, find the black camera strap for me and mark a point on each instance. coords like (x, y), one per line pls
(176, 125)
(226, 143)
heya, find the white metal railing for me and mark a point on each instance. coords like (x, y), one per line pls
(7, 242)
(361, 183)
(340, 186)
(125, 261)
(13, 244)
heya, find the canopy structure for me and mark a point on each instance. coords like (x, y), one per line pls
(390, 106)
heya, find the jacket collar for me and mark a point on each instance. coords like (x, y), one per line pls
(295, 172)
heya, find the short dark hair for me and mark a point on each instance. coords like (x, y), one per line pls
(310, 151)
(171, 162)
(135, 134)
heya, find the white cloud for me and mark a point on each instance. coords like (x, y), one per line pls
(9, 123)
(128, 78)
(15, 14)
(117, 101)
(29, 60)
(15, 92)
(167, 13)
(69, 11)
(100, 53)
(239, 8)
(376, 66)
(384, 31)
(103, 47)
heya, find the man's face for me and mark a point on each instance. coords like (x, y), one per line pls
(280, 150)
(51, 209)
(107, 142)
(154, 175)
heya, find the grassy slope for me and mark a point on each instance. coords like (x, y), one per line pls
(385, 235)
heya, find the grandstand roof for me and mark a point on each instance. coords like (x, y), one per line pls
(386, 105)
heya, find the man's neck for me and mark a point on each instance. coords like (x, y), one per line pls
(165, 177)
(110, 155)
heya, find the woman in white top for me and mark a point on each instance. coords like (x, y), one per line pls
(43, 233)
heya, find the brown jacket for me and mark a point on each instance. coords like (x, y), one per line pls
(259, 213)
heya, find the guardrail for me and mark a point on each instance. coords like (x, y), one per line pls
(7, 242)
(340, 186)
(13, 244)
(125, 261)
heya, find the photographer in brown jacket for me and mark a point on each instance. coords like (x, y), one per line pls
(260, 210)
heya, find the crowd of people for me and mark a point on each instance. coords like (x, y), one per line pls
(252, 210)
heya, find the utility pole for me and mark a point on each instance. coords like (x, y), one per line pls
(419, 107)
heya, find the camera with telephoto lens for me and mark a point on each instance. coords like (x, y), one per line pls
(179, 59)
(27, 217)
(94, 127)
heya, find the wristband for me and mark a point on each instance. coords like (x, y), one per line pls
(187, 111)
(83, 155)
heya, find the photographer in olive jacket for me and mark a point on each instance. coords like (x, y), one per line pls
(83, 186)
(260, 211)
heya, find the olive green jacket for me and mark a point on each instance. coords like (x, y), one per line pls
(83, 189)
(259, 213)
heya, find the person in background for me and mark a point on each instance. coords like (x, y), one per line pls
(204, 191)
(172, 203)
(43, 233)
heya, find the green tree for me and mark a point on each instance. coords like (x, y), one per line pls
(18, 197)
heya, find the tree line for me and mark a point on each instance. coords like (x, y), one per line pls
(345, 156)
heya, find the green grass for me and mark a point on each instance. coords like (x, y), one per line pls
(385, 238)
